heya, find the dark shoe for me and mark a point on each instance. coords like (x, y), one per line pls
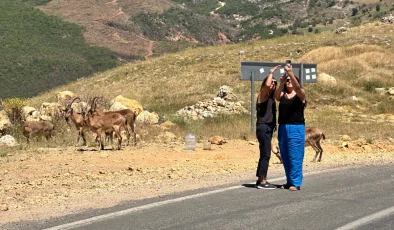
(285, 186)
(295, 188)
(266, 185)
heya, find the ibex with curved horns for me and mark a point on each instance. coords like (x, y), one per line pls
(77, 119)
(128, 114)
(102, 123)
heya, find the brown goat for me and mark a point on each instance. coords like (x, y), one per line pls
(104, 123)
(312, 138)
(77, 119)
(130, 117)
(37, 128)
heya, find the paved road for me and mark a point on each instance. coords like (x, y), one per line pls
(360, 198)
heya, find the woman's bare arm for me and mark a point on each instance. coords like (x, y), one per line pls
(296, 86)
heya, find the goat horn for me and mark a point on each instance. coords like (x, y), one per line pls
(74, 100)
(94, 103)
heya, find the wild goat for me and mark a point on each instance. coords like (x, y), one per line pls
(37, 128)
(312, 138)
(77, 119)
(104, 123)
(128, 114)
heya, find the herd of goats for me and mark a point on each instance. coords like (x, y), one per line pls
(98, 121)
(112, 122)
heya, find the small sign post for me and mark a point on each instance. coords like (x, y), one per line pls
(257, 71)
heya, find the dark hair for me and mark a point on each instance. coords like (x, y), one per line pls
(265, 80)
(298, 80)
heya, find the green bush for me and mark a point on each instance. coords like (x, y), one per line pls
(13, 108)
(240, 7)
(37, 2)
(371, 85)
(40, 52)
(160, 27)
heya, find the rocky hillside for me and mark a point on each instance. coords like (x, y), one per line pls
(153, 27)
(43, 51)
(358, 64)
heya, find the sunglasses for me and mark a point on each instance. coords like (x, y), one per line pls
(288, 80)
(274, 82)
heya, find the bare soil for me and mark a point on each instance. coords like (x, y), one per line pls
(45, 183)
(94, 15)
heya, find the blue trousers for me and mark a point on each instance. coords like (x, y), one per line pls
(291, 140)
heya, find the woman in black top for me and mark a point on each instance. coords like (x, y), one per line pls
(266, 121)
(291, 131)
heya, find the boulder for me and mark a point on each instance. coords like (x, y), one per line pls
(391, 91)
(64, 96)
(52, 109)
(341, 30)
(28, 111)
(78, 107)
(8, 140)
(226, 93)
(169, 125)
(131, 104)
(147, 118)
(117, 106)
(167, 137)
(346, 138)
(5, 123)
(388, 19)
(217, 140)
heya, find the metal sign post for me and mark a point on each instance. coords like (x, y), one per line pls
(257, 71)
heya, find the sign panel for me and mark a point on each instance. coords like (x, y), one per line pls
(260, 70)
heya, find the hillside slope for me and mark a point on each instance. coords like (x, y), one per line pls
(153, 27)
(43, 52)
(40, 52)
(360, 61)
(93, 16)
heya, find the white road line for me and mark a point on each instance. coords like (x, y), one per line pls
(362, 221)
(143, 207)
(157, 204)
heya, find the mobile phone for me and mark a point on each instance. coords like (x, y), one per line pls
(288, 62)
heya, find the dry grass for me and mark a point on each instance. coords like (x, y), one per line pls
(360, 57)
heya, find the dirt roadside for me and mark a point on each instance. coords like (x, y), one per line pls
(46, 183)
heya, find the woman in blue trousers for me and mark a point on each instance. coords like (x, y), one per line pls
(291, 131)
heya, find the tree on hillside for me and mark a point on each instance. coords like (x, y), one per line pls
(354, 11)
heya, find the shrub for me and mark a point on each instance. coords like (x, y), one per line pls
(13, 108)
(371, 85)
(354, 11)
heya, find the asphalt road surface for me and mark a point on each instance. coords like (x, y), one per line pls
(351, 198)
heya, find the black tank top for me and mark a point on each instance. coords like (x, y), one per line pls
(266, 111)
(291, 111)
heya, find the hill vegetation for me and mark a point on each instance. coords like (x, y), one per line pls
(360, 60)
(245, 20)
(40, 52)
